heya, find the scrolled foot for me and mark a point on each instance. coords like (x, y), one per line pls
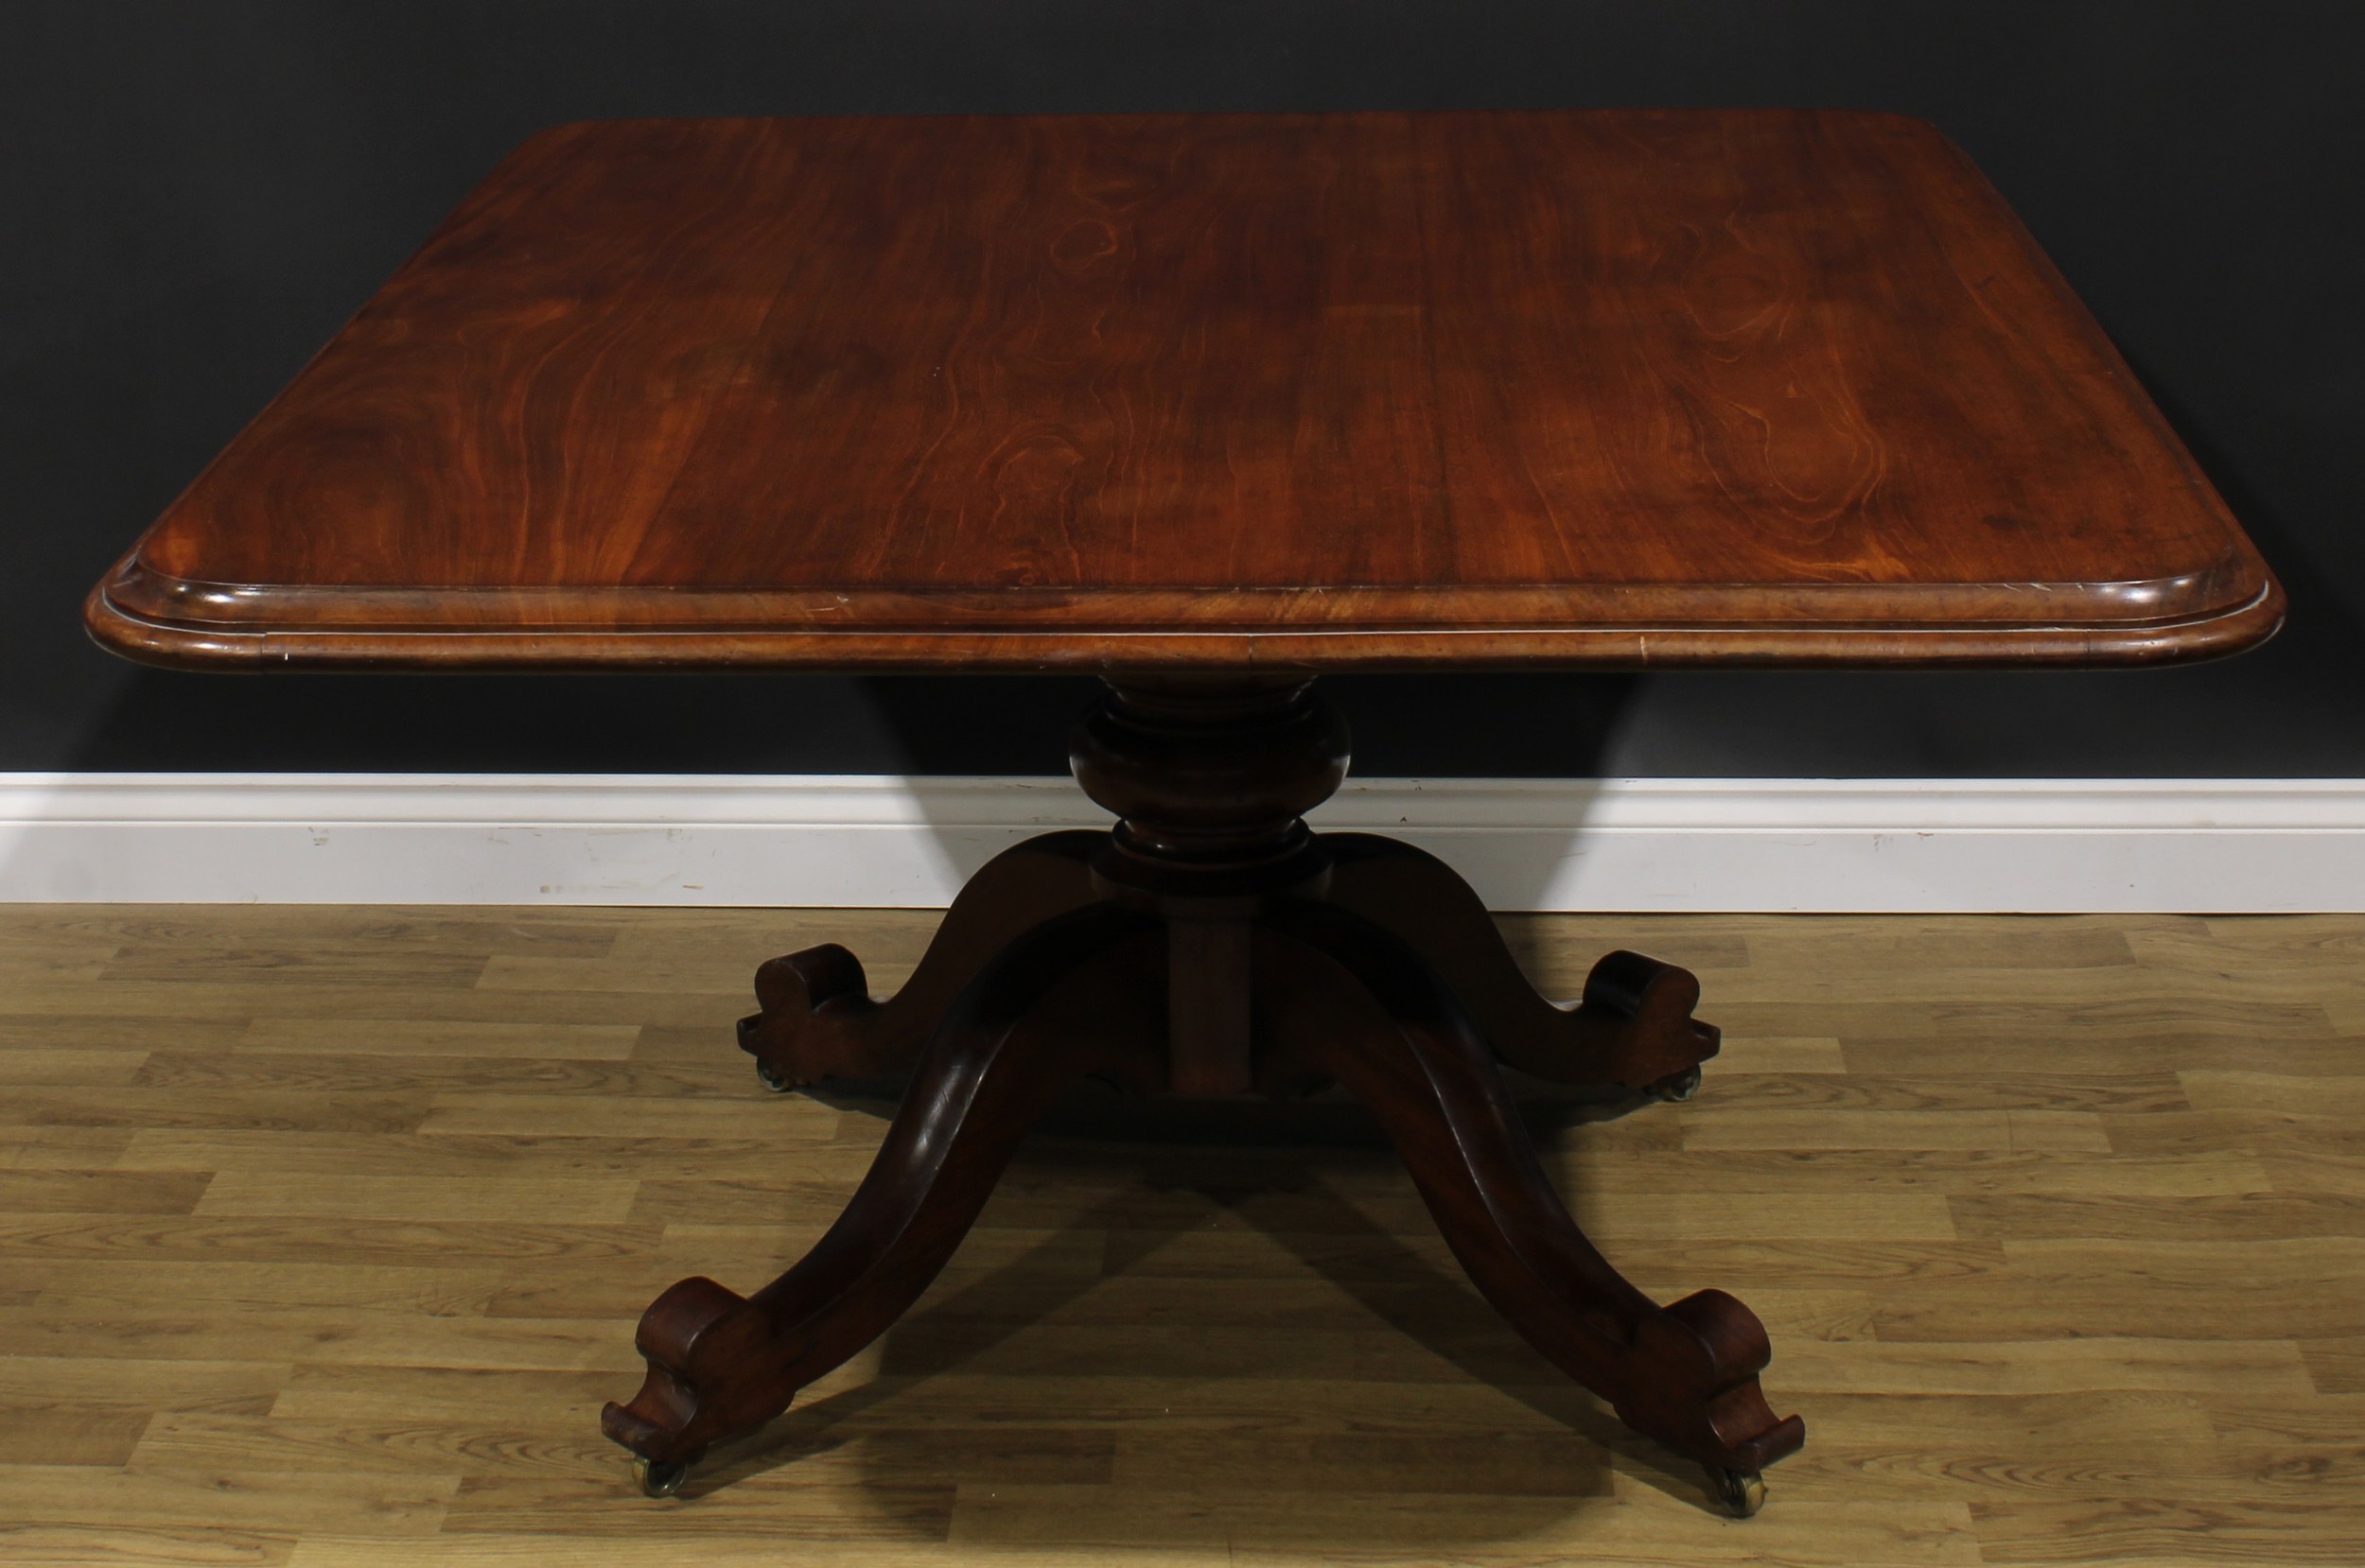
(1689, 1379)
(1633, 1027)
(691, 1336)
(656, 1478)
(813, 1001)
(818, 1020)
(1677, 1087)
(1686, 1373)
(1632, 1030)
(720, 1363)
(1739, 1492)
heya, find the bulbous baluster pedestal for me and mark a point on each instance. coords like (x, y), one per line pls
(1210, 945)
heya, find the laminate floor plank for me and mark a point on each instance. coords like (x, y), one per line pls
(360, 1501)
(525, 1244)
(377, 1196)
(73, 1546)
(456, 1154)
(176, 1383)
(107, 1033)
(1587, 1174)
(323, 1233)
(328, 1071)
(510, 1044)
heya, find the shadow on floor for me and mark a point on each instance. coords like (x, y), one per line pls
(1273, 1169)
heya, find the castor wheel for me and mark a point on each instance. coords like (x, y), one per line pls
(657, 1478)
(1739, 1492)
(773, 1079)
(1676, 1086)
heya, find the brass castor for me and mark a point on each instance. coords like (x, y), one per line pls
(773, 1079)
(1677, 1086)
(1739, 1492)
(657, 1478)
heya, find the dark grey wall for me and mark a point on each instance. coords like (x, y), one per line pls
(197, 192)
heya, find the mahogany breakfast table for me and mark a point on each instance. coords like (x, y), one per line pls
(1210, 405)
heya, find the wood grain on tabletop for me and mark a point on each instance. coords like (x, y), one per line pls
(317, 1246)
(1608, 386)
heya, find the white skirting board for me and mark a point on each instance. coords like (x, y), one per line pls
(1875, 845)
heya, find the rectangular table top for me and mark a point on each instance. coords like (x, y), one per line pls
(1583, 389)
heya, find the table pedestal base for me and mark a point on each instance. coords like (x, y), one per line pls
(1212, 945)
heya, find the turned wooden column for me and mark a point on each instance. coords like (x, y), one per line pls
(1211, 782)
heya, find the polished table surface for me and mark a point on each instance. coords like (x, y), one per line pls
(1210, 406)
(1375, 391)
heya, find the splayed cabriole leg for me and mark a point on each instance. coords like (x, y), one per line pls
(818, 1020)
(1686, 1374)
(1633, 1029)
(1211, 946)
(721, 1365)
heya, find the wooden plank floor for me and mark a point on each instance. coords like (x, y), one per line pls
(323, 1232)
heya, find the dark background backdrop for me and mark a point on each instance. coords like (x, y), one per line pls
(196, 193)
